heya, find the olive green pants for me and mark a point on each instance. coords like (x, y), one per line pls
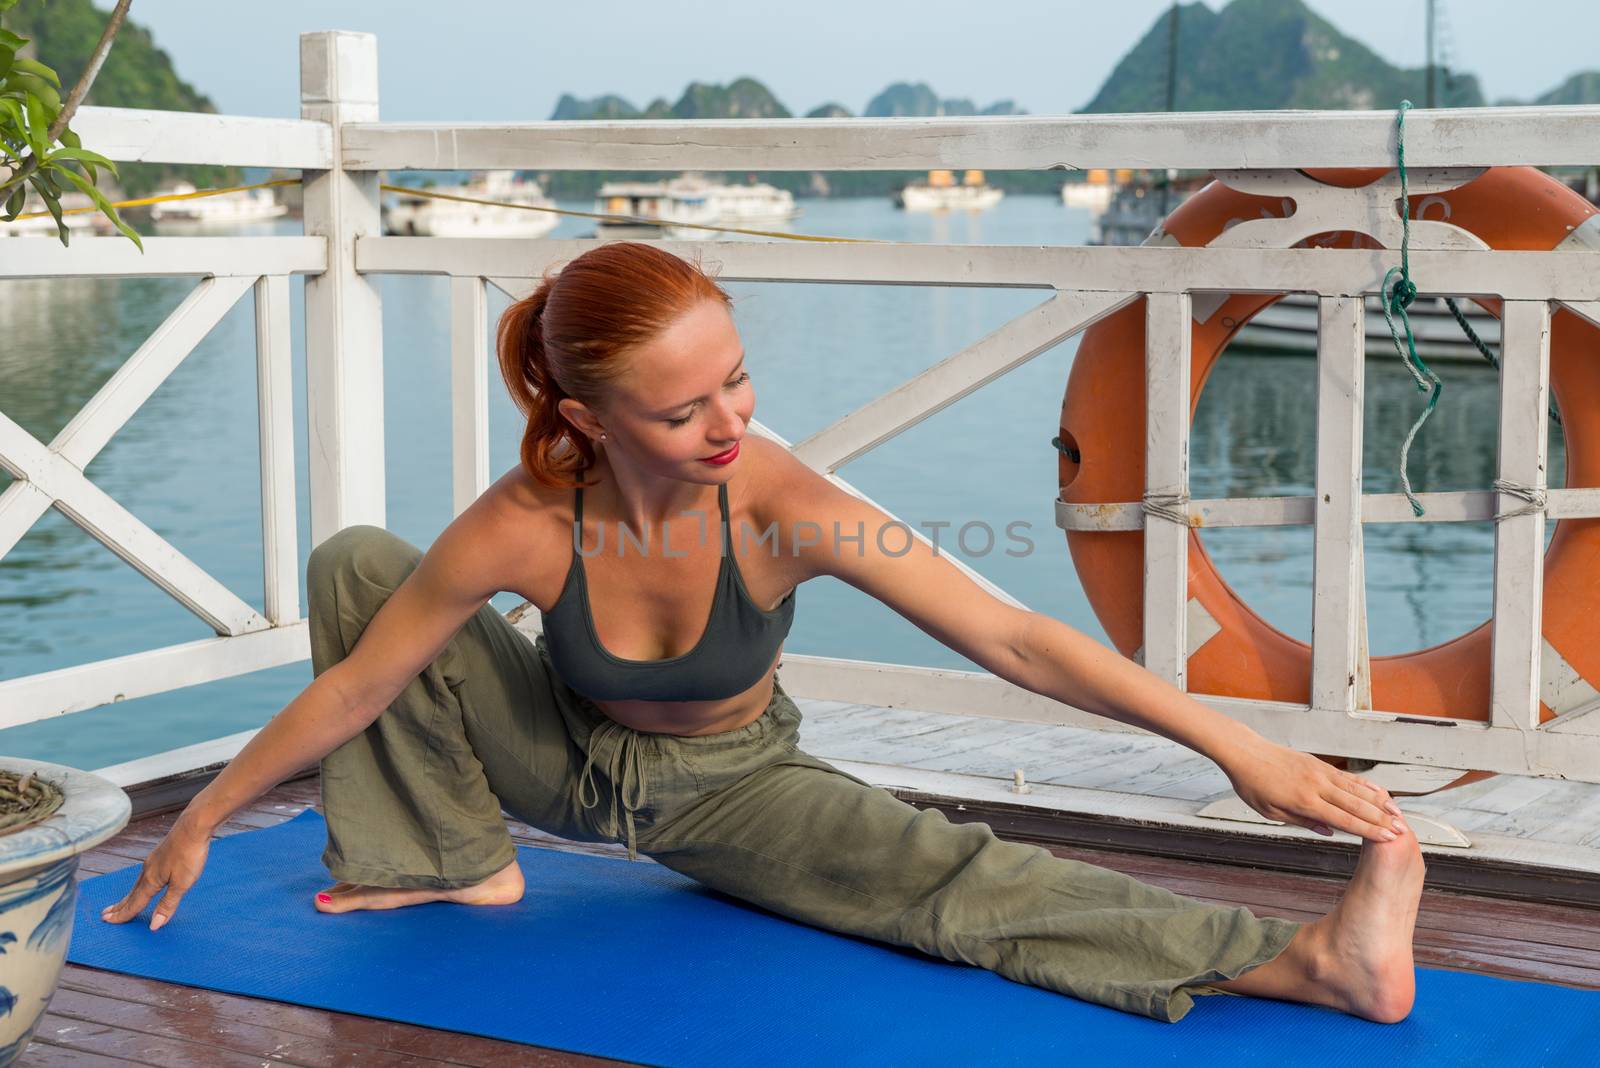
(415, 800)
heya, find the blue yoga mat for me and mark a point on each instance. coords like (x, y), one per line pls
(633, 961)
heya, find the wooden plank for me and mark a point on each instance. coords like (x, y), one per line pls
(1455, 506)
(1517, 275)
(1337, 619)
(275, 422)
(344, 317)
(147, 136)
(1202, 140)
(469, 391)
(1166, 479)
(73, 689)
(116, 257)
(1519, 539)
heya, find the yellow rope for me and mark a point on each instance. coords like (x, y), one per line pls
(429, 194)
(142, 201)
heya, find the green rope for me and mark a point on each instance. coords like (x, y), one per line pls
(1398, 298)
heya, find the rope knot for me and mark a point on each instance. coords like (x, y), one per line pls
(1402, 294)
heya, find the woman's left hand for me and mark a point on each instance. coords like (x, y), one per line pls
(1293, 787)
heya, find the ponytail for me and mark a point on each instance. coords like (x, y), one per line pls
(553, 451)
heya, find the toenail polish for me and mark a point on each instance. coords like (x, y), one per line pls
(325, 899)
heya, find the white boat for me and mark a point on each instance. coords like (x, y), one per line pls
(755, 202)
(416, 215)
(677, 207)
(224, 210)
(1094, 192)
(942, 193)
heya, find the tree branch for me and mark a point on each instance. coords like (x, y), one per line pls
(101, 50)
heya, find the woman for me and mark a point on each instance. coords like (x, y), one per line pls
(650, 712)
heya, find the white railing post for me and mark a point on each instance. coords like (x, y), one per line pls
(344, 319)
(1338, 619)
(1518, 638)
(1167, 328)
(469, 391)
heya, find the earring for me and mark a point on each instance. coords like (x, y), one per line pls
(602, 435)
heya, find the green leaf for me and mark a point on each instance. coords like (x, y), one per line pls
(70, 139)
(7, 5)
(14, 203)
(27, 85)
(11, 40)
(34, 67)
(7, 57)
(84, 158)
(52, 201)
(104, 205)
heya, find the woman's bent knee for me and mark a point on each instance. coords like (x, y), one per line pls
(365, 549)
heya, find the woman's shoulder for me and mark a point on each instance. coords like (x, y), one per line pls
(778, 486)
(526, 527)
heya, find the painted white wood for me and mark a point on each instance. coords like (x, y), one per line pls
(1519, 539)
(935, 389)
(116, 257)
(469, 391)
(1429, 831)
(1169, 812)
(109, 523)
(344, 318)
(126, 391)
(1166, 481)
(179, 761)
(1456, 506)
(1197, 140)
(275, 413)
(120, 678)
(1519, 275)
(1337, 618)
(1311, 207)
(1378, 736)
(137, 134)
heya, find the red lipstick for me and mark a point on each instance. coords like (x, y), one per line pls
(722, 457)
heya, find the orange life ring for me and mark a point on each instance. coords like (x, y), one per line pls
(1103, 420)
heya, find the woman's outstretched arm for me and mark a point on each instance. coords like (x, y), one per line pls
(837, 534)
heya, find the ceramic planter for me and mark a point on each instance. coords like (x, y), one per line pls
(38, 892)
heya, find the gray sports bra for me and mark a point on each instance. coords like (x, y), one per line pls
(735, 650)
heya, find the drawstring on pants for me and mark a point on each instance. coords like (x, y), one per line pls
(625, 769)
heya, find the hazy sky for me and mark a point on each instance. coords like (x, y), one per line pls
(501, 59)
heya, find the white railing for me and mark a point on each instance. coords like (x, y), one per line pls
(340, 146)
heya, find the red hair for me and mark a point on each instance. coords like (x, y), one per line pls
(569, 336)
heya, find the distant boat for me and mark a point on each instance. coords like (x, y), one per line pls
(45, 225)
(416, 215)
(1094, 192)
(677, 206)
(941, 193)
(223, 210)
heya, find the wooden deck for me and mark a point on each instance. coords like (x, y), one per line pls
(104, 1018)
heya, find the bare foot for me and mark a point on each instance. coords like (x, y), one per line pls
(504, 887)
(1358, 957)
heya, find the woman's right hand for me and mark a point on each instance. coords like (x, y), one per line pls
(175, 863)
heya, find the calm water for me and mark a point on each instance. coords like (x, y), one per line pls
(187, 465)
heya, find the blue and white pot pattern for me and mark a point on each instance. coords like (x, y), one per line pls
(38, 894)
